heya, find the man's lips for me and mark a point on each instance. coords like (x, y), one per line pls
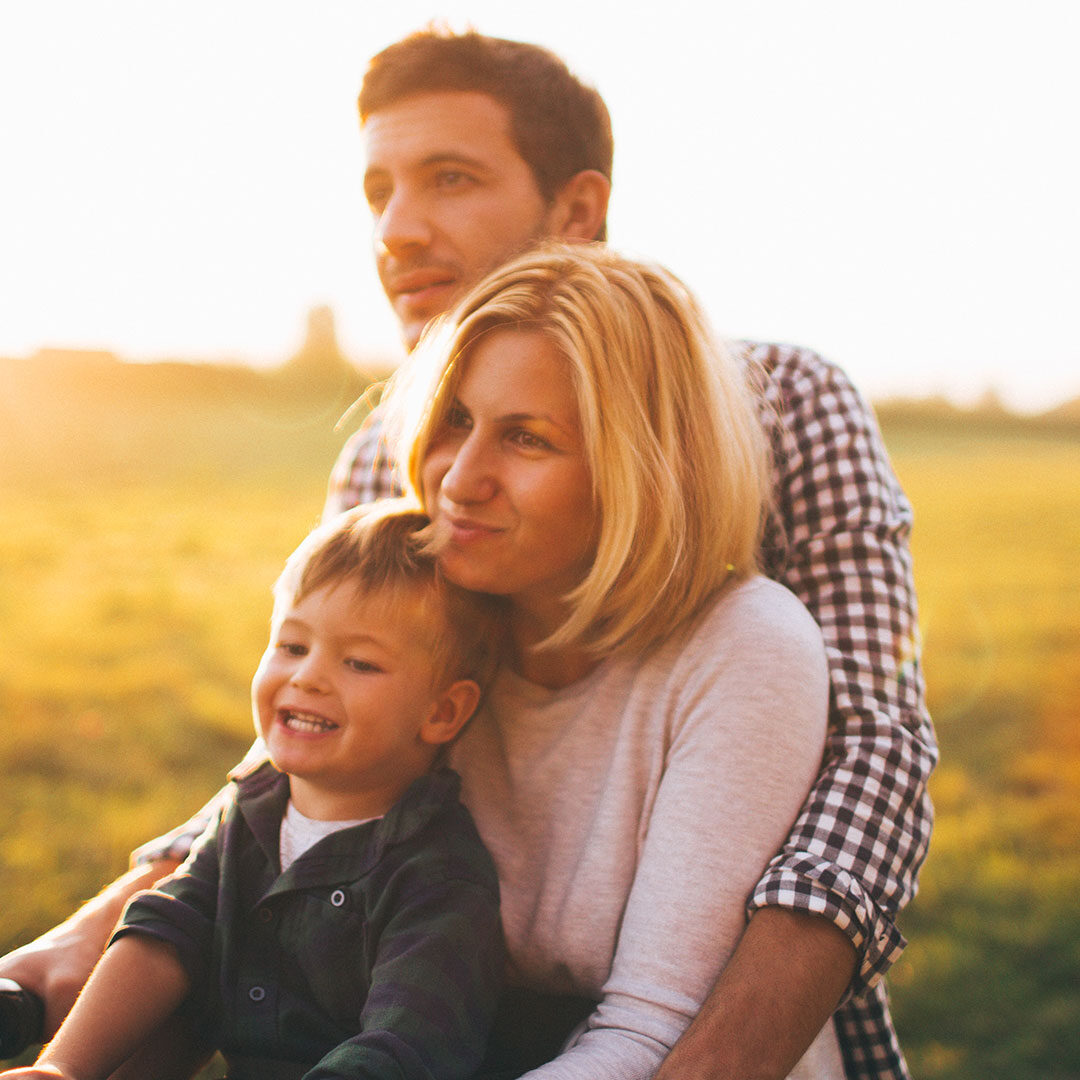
(416, 285)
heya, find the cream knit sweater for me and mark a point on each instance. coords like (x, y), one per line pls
(631, 813)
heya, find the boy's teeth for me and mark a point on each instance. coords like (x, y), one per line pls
(306, 722)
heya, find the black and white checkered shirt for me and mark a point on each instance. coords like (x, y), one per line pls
(837, 537)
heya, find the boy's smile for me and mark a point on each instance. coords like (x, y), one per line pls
(342, 695)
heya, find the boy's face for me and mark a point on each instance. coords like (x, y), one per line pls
(342, 696)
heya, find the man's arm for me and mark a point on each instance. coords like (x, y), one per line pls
(137, 984)
(56, 965)
(822, 918)
(778, 990)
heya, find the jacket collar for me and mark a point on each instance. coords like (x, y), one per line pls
(349, 853)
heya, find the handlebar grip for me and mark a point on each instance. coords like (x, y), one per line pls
(22, 1019)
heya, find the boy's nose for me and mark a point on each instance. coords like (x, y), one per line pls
(309, 675)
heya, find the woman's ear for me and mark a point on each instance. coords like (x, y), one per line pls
(450, 712)
(579, 211)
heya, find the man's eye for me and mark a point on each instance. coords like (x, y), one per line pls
(452, 178)
(377, 198)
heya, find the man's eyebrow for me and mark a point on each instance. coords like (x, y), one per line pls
(438, 157)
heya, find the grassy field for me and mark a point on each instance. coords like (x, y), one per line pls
(145, 514)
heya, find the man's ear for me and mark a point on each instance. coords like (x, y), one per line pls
(580, 207)
(450, 712)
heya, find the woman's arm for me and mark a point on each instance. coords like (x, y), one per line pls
(135, 986)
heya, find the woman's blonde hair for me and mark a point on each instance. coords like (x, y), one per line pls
(672, 437)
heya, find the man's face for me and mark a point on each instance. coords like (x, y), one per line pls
(451, 199)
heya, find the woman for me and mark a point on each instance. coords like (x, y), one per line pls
(586, 450)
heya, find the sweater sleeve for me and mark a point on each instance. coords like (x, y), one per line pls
(747, 704)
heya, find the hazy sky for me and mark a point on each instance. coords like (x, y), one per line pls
(894, 184)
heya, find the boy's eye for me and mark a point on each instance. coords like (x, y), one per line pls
(291, 648)
(364, 666)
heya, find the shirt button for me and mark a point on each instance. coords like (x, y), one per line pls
(337, 898)
(257, 993)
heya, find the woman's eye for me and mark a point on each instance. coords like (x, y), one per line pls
(529, 440)
(457, 419)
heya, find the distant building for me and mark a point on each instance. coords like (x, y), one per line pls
(319, 362)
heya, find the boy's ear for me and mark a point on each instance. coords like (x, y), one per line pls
(580, 207)
(450, 712)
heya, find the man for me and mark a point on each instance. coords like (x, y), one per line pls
(475, 148)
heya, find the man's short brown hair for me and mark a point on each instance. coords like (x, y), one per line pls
(559, 125)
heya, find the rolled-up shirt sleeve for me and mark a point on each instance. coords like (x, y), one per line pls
(838, 538)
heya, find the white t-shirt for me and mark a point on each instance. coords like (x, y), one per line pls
(298, 833)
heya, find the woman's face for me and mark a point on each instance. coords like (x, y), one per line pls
(506, 478)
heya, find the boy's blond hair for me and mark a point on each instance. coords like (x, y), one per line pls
(673, 441)
(375, 548)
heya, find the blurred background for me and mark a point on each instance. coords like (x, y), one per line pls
(187, 307)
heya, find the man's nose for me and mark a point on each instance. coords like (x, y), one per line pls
(403, 224)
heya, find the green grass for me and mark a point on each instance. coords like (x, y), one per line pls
(146, 513)
(988, 986)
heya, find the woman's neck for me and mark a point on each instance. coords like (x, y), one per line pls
(552, 668)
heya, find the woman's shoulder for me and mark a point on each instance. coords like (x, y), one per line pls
(758, 620)
(755, 601)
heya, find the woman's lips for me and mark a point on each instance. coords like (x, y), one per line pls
(466, 530)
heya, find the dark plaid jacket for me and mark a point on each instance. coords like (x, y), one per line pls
(377, 953)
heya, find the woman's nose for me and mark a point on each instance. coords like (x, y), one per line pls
(468, 476)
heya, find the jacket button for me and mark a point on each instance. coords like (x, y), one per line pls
(257, 993)
(337, 898)
(265, 914)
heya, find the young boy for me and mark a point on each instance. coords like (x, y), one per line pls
(340, 917)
